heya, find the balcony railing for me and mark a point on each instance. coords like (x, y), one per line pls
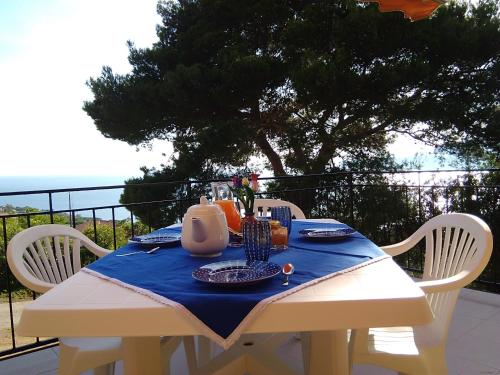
(386, 206)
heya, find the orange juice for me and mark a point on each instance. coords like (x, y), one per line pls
(279, 235)
(232, 214)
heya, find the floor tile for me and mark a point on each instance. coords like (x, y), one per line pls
(462, 366)
(487, 330)
(291, 353)
(476, 309)
(462, 324)
(495, 319)
(33, 363)
(476, 349)
(484, 298)
(49, 372)
(464, 292)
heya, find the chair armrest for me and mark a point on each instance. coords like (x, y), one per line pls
(95, 248)
(398, 248)
(100, 251)
(443, 285)
(408, 244)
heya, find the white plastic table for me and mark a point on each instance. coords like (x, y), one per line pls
(377, 295)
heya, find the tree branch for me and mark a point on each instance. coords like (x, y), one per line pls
(271, 155)
(300, 157)
(327, 148)
(263, 143)
(376, 129)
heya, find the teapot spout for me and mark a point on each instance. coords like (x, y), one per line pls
(199, 231)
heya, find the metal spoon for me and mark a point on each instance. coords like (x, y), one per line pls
(139, 252)
(235, 233)
(287, 270)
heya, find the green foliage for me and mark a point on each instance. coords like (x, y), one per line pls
(105, 232)
(105, 236)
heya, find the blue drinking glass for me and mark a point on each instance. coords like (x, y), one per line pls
(257, 239)
(284, 215)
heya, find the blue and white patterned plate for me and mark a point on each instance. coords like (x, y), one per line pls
(326, 234)
(148, 240)
(235, 273)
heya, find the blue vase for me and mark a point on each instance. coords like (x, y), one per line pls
(256, 239)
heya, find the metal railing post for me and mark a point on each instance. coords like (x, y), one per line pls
(132, 224)
(8, 284)
(114, 227)
(351, 199)
(51, 209)
(189, 193)
(419, 201)
(95, 225)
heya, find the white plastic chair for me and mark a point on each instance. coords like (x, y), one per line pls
(458, 248)
(261, 207)
(43, 256)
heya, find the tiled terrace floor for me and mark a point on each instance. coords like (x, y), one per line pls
(473, 345)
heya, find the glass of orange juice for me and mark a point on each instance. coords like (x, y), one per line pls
(279, 235)
(232, 214)
(224, 198)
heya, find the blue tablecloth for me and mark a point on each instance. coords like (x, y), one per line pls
(167, 273)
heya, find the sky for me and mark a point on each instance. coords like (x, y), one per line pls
(48, 50)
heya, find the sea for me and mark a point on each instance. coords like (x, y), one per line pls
(64, 201)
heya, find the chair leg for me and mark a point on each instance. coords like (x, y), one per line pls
(67, 357)
(190, 353)
(204, 350)
(435, 360)
(73, 360)
(168, 345)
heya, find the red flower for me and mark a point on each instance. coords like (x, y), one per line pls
(254, 181)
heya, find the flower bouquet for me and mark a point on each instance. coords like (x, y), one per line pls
(244, 189)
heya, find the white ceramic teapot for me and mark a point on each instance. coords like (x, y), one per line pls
(204, 229)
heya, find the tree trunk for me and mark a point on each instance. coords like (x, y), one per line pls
(263, 143)
(271, 155)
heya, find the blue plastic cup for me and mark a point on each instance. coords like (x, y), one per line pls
(284, 215)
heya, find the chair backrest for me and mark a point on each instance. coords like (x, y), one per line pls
(261, 207)
(40, 257)
(456, 244)
(457, 249)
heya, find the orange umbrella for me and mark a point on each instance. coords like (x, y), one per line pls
(412, 9)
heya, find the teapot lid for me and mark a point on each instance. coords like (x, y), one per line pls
(204, 208)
